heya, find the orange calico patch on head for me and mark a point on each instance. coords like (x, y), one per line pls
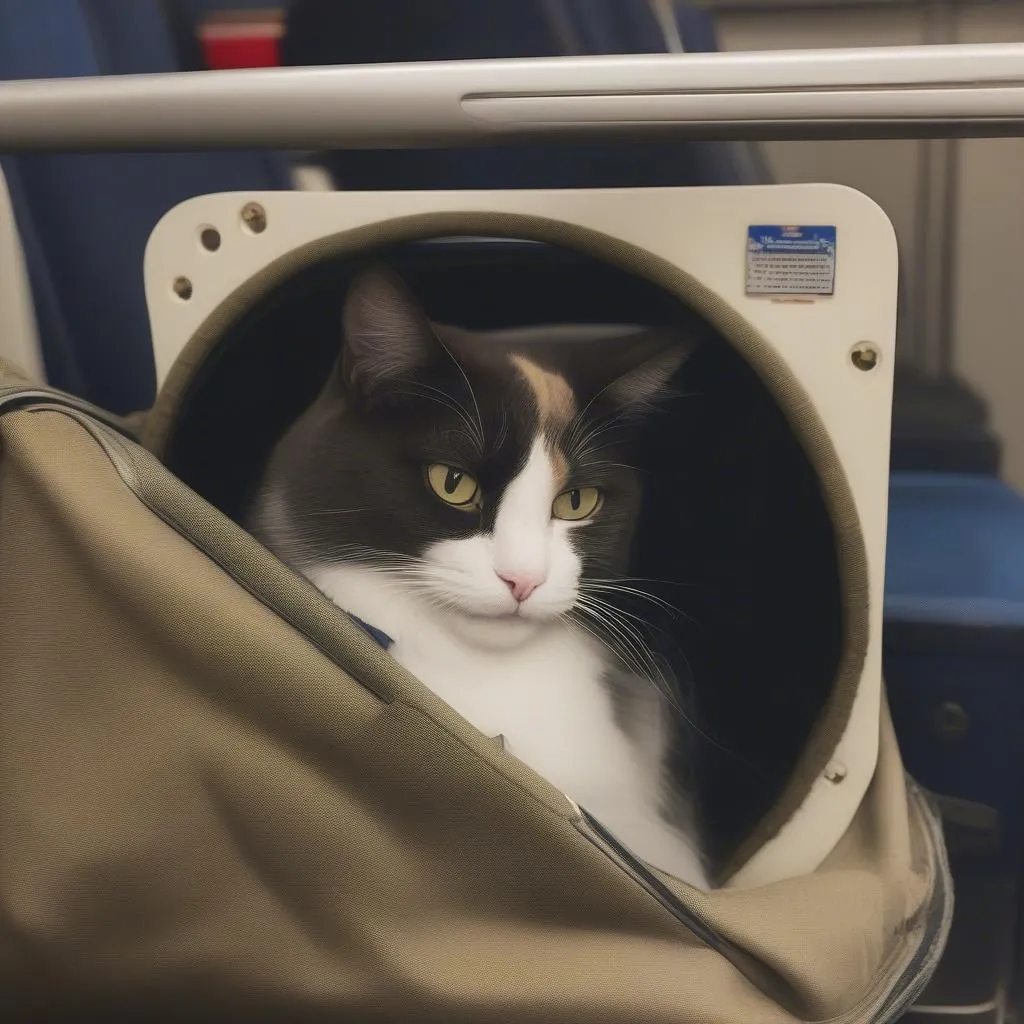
(556, 407)
(555, 400)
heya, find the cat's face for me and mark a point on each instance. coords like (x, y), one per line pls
(490, 475)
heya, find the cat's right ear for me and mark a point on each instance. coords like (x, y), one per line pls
(387, 336)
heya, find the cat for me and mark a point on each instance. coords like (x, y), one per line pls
(470, 499)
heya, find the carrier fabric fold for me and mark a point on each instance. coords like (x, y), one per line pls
(220, 799)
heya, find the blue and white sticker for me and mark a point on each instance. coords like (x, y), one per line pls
(791, 260)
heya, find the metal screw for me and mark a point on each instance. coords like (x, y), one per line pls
(254, 217)
(835, 772)
(865, 356)
(182, 288)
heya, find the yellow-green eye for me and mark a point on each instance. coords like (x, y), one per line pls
(579, 503)
(453, 486)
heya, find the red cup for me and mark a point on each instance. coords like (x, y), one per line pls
(242, 40)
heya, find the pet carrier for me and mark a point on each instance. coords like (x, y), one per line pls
(222, 799)
(220, 795)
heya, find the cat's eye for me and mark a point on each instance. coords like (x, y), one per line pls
(579, 503)
(454, 486)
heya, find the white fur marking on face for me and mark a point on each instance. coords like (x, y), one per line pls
(522, 528)
(526, 543)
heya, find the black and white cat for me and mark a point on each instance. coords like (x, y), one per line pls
(471, 497)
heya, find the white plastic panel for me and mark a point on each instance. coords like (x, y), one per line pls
(703, 231)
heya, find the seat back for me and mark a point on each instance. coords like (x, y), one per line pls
(19, 338)
(84, 219)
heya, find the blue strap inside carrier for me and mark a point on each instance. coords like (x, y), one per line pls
(377, 635)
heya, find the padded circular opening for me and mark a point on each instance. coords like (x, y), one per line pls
(736, 521)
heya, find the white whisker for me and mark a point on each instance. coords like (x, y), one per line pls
(469, 387)
(624, 633)
(446, 401)
(615, 587)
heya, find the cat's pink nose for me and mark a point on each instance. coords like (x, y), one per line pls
(521, 585)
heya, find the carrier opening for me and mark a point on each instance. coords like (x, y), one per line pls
(735, 527)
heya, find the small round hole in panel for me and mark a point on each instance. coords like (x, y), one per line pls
(182, 288)
(209, 238)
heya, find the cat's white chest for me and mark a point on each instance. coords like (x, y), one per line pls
(547, 698)
(548, 701)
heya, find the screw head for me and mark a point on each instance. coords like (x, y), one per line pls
(865, 356)
(835, 772)
(254, 217)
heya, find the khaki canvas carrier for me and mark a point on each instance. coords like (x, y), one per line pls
(219, 799)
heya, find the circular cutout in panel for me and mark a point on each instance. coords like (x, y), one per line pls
(735, 534)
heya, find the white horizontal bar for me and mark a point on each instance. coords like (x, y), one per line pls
(915, 91)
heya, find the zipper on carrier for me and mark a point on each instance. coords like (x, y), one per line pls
(897, 992)
(766, 980)
(889, 999)
(645, 876)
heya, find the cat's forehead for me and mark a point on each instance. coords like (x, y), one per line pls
(498, 404)
(556, 384)
(552, 396)
(524, 396)
(564, 365)
(539, 381)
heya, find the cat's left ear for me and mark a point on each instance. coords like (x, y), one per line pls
(387, 335)
(639, 389)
